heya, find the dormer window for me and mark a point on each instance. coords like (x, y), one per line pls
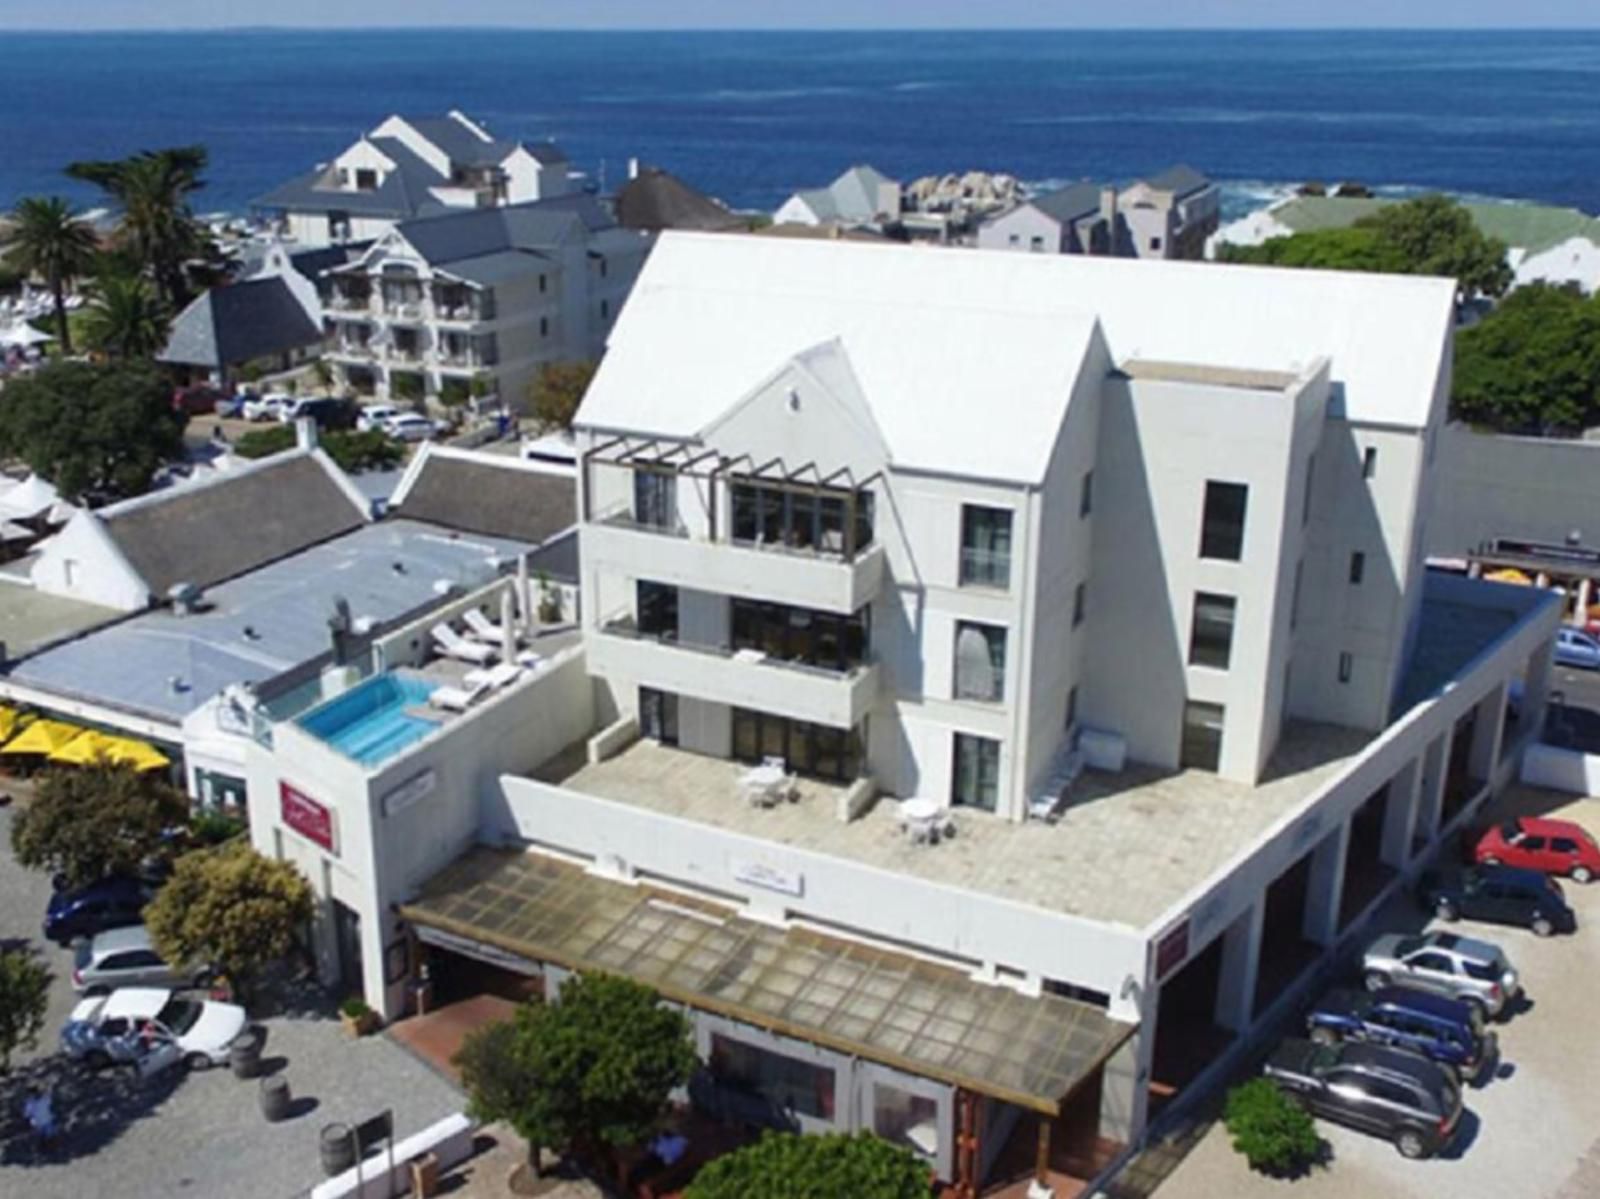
(366, 179)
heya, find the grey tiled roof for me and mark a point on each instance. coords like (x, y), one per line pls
(209, 532)
(489, 269)
(1071, 202)
(478, 496)
(658, 199)
(459, 142)
(240, 322)
(1180, 180)
(476, 232)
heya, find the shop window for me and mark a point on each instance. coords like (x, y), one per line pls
(787, 1083)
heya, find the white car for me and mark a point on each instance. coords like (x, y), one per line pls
(120, 1026)
(408, 426)
(268, 407)
(375, 417)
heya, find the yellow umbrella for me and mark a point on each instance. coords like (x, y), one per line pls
(126, 751)
(85, 749)
(11, 722)
(41, 737)
(1508, 575)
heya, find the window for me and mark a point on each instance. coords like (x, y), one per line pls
(1211, 633)
(543, 284)
(980, 662)
(1086, 495)
(1201, 747)
(1036, 243)
(1080, 604)
(658, 715)
(906, 1119)
(817, 750)
(544, 326)
(658, 609)
(1155, 243)
(1436, 963)
(1305, 503)
(1369, 462)
(1347, 666)
(655, 498)
(1532, 843)
(791, 634)
(366, 179)
(1015, 240)
(976, 782)
(802, 517)
(1358, 566)
(1222, 525)
(1563, 845)
(603, 268)
(786, 1083)
(985, 546)
(1072, 707)
(605, 310)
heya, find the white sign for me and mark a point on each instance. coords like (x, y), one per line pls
(409, 792)
(770, 878)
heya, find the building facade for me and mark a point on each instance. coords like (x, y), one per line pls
(1169, 215)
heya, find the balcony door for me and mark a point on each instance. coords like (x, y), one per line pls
(658, 715)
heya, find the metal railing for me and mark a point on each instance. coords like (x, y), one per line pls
(623, 624)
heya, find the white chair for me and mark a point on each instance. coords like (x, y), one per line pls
(456, 699)
(453, 645)
(484, 629)
(493, 677)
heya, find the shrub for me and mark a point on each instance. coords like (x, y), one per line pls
(787, 1165)
(213, 828)
(355, 1008)
(1271, 1130)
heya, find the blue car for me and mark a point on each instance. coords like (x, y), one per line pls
(1577, 648)
(114, 902)
(1440, 1029)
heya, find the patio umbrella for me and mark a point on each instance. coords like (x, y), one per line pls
(1508, 575)
(42, 737)
(22, 335)
(87, 748)
(11, 721)
(141, 755)
(28, 499)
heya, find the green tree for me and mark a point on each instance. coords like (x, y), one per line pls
(558, 389)
(50, 241)
(91, 821)
(232, 907)
(1351, 249)
(787, 1165)
(125, 319)
(1271, 1130)
(93, 430)
(24, 996)
(589, 1071)
(152, 190)
(1532, 365)
(354, 450)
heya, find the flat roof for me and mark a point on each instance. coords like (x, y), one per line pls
(31, 619)
(265, 622)
(1127, 847)
(889, 1007)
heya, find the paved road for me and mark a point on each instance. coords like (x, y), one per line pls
(1532, 1132)
(200, 1134)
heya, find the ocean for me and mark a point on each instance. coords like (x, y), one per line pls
(751, 117)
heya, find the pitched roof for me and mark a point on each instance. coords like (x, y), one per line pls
(1070, 202)
(239, 322)
(856, 192)
(312, 263)
(399, 195)
(241, 520)
(1180, 180)
(459, 143)
(925, 331)
(491, 495)
(656, 199)
(476, 232)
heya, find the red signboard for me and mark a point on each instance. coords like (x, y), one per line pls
(306, 816)
(1171, 950)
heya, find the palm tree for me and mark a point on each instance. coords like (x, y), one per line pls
(52, 242)
(126, 318)
(152, 188)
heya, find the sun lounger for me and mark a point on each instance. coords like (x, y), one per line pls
(493, 677)
(484, 629)
(453, 645)
(457, 699)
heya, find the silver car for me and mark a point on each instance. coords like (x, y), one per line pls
(125, 957)
(1475, 972)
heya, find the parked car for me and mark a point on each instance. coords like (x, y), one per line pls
(266, 407)
(114, 1028)
(1404, 1098)
(1502, 894)
(114, 902)
(1475, 972)
(198, 399)
(1574, 647)
(232, 406)
(125, 957)
(1542, 844)
(330, 412)
(1440, 1029)
(408, 426)
(374, 417)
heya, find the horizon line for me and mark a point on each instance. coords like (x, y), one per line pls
(505, 27)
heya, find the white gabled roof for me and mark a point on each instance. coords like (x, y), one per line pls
(968, 357)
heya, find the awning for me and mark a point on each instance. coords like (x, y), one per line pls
(42, 737)
(858, 999)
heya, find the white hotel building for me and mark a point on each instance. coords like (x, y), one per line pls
(1117, 566)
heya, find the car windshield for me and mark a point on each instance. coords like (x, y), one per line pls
(179, 1015)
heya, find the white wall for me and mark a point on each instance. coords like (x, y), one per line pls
(1024, 223)
(83, 563)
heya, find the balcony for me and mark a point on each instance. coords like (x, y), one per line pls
(741, 678)
(340, 301)
(360, 351)
(804, 578)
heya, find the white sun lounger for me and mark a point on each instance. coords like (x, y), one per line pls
(484, 629)
(493, 677)
(457, 699)
(453, 645)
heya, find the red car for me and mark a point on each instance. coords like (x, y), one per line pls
(1535, 843)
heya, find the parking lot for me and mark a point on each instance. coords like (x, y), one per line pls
(199, 1134)
(1531, 1131)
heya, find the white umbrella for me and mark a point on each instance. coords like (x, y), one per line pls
(23, 335)
(28, 499)
(14, 532)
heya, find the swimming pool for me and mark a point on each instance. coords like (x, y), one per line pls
(369, 722)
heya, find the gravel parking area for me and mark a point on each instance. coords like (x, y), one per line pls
(1532, 1131)
(198, 1134)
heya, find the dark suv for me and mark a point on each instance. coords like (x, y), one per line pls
(1504, 894)
(114, 902)
(1441, 1029)
(1392, 1094)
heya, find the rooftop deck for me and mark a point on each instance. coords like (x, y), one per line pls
(1128, 846)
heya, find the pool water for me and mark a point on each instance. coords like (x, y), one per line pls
(369, 723)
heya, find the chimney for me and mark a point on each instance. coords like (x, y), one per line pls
(305, 432)
(633, 168)
(1108, 214)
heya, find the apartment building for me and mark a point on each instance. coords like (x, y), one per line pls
(473, 303)
(1005, 679)
(409, 167)
(1169, 215)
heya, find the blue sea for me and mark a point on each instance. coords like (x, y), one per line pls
(751, 116)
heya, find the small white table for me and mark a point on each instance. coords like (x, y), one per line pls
(925, 820)
(749, 655)
(761, 784)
